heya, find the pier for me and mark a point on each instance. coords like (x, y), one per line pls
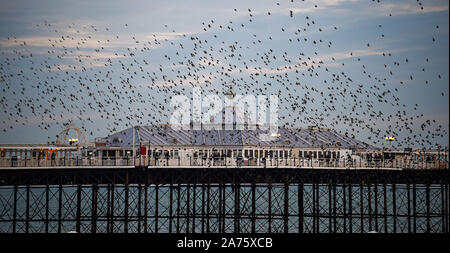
(145, 199)
(185, 186)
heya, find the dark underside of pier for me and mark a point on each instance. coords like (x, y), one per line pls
(223, 200)
(94, 176)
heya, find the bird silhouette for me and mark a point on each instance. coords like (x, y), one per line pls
(85, 73)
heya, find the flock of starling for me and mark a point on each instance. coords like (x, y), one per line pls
(92, 76)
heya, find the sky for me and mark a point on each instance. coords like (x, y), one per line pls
(132, 53)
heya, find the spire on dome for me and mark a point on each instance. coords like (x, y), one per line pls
(230, 93)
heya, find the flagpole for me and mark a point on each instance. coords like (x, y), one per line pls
(134, 134)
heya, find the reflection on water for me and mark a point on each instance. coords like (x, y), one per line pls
(226, 208)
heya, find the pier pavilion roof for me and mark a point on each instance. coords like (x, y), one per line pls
(289, 137)
(241, 135)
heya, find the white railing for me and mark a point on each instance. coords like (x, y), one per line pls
(145, 161)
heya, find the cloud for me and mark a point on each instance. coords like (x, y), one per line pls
(52, 42)
(189, 81)
(36, 120)
(323, 60)
(89, 53)
(66, 67)
(354, 53)
(310, 7)
(408, 8)
(396, 8)
(166, 36)
(81, 41)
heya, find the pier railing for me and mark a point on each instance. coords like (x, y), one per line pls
(145, 161)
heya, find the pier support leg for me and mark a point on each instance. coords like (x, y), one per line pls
(60, 192)
(286, 208)
(94, 209)
(253, 214)
(46, 207)
(170, 207)
(385, 215)
(156, 208)
(375, 192)
(427, 189)
(394, 207)
(125, 227)
(414, 209)
(15, 209)
(78, 218)
(300, 208)
(237, 211)
(269, 207)
(203, 208)
(146, 207)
